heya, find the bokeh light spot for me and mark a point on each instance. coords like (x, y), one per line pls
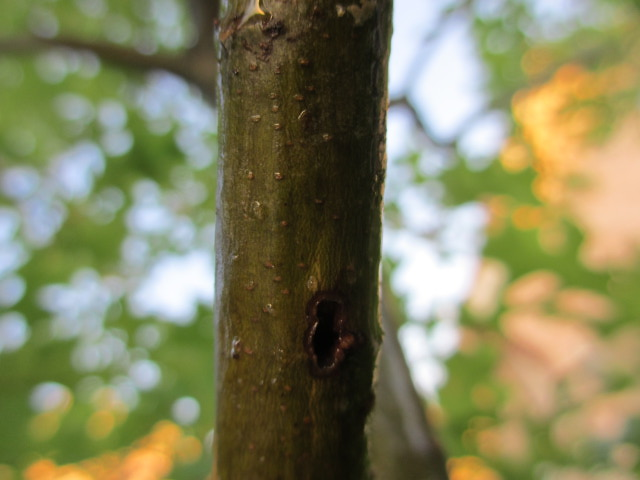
(185, 410)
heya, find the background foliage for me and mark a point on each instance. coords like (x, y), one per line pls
(106, 238)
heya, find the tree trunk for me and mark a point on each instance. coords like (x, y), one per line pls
(302, 163)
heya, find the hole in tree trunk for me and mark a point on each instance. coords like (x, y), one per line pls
(326, 335)
(327, 340)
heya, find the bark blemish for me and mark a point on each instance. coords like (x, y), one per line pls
(363, 12)
(312, 283)
(236, 347)
(257, 210)
(327, 340)
(273, 28)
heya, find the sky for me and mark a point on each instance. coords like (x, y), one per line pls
(444, 80)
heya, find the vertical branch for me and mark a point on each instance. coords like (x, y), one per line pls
(302, 136)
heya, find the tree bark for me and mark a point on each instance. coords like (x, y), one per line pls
(302, 164)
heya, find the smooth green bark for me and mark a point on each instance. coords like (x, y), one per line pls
(302, 164)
